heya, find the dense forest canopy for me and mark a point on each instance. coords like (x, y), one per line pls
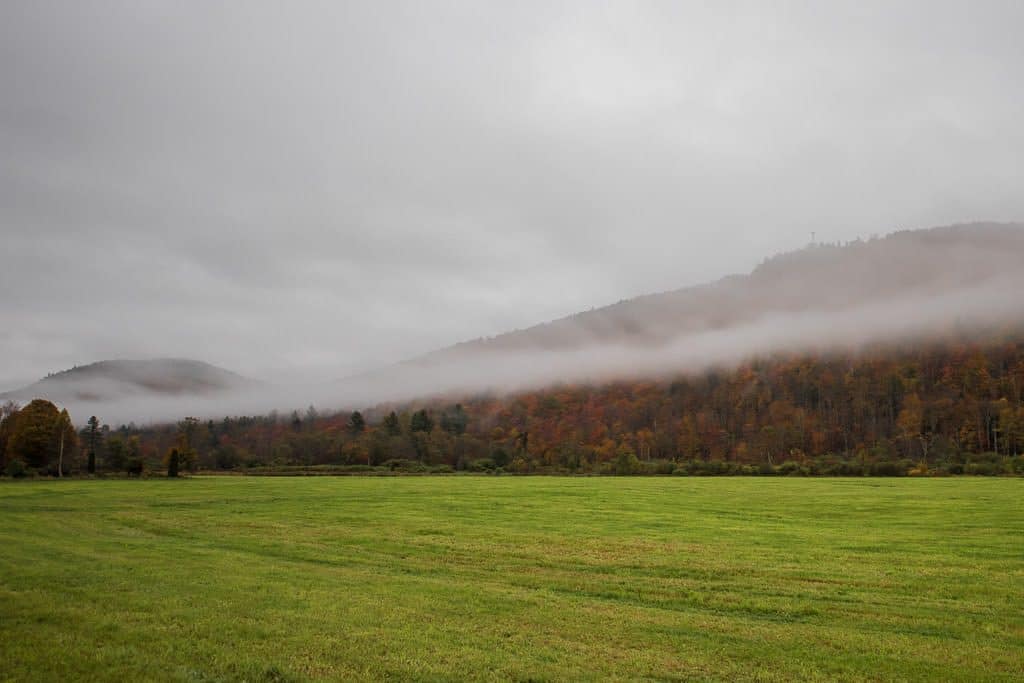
(897, 355)
(949, 407)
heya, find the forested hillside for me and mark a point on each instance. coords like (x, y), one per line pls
(822, 299)
(951, 407)
(889, 356)
(818, 300)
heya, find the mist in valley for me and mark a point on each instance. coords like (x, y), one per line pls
(959, 282)
(326, 199)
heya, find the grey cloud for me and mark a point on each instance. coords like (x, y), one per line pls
(321, 187)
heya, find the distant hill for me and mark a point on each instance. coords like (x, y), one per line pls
(121, 379)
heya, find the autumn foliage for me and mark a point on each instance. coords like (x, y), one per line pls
(942, 409)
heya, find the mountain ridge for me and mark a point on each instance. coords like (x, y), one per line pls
(819, 279)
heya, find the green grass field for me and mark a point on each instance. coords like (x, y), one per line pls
(439, 578)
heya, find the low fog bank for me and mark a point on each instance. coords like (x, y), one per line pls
(922, 285)
(966, 313)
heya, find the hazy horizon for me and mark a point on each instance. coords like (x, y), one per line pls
(923, 286)
(307, 191)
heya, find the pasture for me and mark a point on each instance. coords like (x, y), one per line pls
(512, 578)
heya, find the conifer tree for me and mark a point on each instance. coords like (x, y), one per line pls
(93, 439)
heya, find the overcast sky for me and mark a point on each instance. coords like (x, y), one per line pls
(313, 188)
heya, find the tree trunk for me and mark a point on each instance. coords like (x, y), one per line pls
(60, 457)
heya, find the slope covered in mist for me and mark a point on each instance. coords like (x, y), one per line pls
(911, 286)
(913, 266)
(116, 380)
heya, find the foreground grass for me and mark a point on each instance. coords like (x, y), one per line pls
(512, 578)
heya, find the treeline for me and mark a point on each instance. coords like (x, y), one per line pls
(40, 440)
(950, 409)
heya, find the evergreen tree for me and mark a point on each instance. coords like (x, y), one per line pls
(454, 421)
(421, 421)
(391, 424)
(356, 423)
(116, 458)
(173, 462)
(93, 439)
(311, 416)
(8, 412)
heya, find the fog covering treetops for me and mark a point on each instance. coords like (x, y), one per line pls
(911, 285)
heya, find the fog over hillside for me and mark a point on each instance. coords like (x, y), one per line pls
(305, 191)
(911, 266)
(910, 284)
(921, 284)
(120, 380)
